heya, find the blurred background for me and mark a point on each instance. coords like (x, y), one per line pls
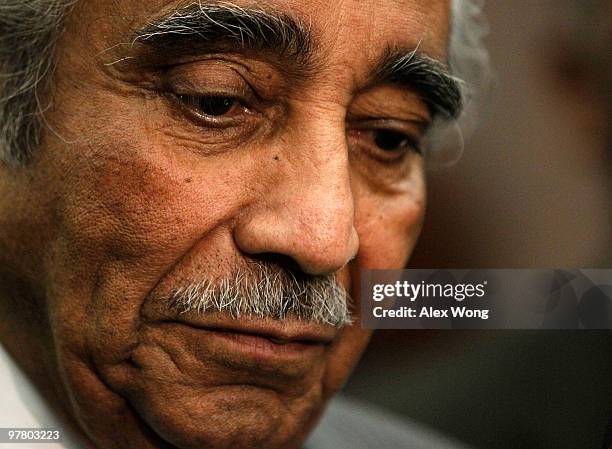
(532, 190)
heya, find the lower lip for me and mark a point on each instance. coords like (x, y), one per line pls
(259, 348)
(263, 345)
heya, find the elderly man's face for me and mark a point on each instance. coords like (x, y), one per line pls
(178, 159)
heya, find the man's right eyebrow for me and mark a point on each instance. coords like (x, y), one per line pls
(224, 25)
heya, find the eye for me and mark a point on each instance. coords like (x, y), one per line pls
(389, 144)
(389, 140)
(214, 106)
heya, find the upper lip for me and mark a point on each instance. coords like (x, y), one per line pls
(287, 331)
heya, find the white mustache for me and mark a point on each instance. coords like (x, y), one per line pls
(267, 291)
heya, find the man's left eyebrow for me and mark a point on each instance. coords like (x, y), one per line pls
(426, 76)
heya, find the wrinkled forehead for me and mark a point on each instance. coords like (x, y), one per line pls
(344, 28)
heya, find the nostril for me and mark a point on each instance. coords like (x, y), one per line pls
(284, 261)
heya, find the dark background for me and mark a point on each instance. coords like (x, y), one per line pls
(533, 189)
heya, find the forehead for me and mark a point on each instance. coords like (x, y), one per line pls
(342, 27)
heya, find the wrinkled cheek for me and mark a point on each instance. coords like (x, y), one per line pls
(124, 221)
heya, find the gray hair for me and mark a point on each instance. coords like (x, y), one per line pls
(469, 58)
(266, 290)
(29, 30)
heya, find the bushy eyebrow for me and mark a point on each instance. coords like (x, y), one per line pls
(438, 89)
(207, 24)
(200, 25)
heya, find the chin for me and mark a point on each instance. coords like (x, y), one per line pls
(242, 417)
(217, 410)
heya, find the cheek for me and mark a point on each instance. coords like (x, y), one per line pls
(127, 212)
(388, 230)
(342, 360)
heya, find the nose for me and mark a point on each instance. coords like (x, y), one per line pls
(307, 212)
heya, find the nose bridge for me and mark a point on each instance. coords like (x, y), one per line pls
(321, 196)
(309, 212)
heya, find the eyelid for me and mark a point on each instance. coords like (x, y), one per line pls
(186, 98)
(219, 78)
(208, 79)
(414, 131)
(241, 117)
(418, 124)
(245, 97)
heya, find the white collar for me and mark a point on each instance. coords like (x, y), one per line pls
(24, 407)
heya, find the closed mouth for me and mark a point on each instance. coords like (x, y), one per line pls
(277, 332)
